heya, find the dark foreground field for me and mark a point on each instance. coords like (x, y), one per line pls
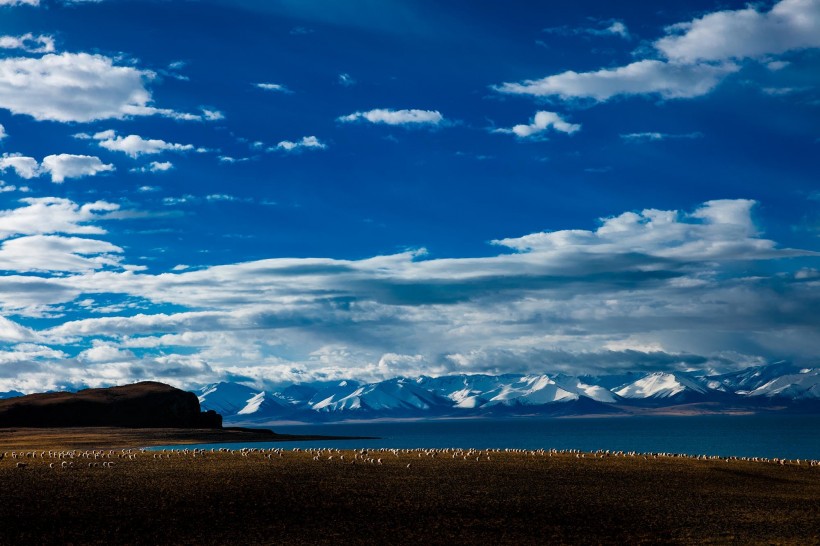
(228, 498)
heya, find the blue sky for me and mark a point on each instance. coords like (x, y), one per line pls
(278, 191)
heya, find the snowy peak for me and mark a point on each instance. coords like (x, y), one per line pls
(577, 386)
(659, 385)
(394, 394)
(804, 385)
(530, 391)
(225, 398)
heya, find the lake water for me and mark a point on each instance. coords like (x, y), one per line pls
(786, 436)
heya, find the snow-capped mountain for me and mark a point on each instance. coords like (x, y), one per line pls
(530, 391)
(394, 394)
(240, 401)
(226, 398)
(804, 385)
(751, 378)
(764, 388)
(660, 385)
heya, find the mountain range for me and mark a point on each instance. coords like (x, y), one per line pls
(774, 387)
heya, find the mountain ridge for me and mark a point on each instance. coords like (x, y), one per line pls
(775, 387)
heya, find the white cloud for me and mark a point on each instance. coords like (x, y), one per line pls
(396, 117)
(28, 42)
(699, 55)
(135, 146)
(57, 253)
(273, 87)
(212, 115)
(308, 142)
(64, 166)
(59, 166)
(24, 167)
(46, 215)
(541, 122)
(718, 230)
(3, 133)
(153, 167)
(11, 331)
(19, 2)
(670, 81)
(78, 87)
(104, 352)
(737, 34)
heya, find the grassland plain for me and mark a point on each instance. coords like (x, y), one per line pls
(305, 498)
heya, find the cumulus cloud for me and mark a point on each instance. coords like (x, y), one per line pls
(64, 166)
(28, 42)
(19, 2)
(670, 81)
(23, 166)
(411, 117)
(78, 87)
(153, 167)
(45, 215)
(59, 166)
(541, 122)
(748, 32)
(135, 145)
(308, 142)
(105, 352)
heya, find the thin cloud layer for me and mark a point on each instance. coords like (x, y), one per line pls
(647, 77)
(396, 117)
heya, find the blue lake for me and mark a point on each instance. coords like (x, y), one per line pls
(787, 436)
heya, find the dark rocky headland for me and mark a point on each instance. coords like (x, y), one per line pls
(142, 405)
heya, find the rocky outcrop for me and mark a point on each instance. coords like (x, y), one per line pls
(141, 405)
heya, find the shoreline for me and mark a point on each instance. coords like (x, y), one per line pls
(20, 438)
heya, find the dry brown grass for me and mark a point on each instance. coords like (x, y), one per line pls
(227, 498)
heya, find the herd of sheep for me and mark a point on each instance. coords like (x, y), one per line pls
(67, 459)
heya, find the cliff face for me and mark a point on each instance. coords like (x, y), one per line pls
(141, 405)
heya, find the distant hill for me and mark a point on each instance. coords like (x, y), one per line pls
(141, 405)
